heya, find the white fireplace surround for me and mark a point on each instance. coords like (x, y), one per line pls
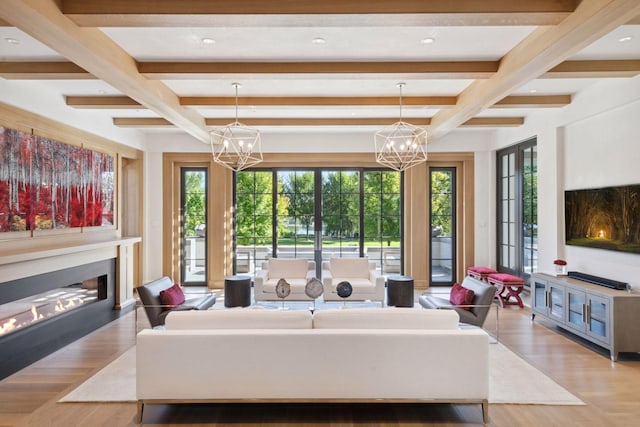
(53, 254)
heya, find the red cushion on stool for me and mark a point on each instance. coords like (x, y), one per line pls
(506, 278)
(482, 270)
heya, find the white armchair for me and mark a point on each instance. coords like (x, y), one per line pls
(296, 272)
(366, 281)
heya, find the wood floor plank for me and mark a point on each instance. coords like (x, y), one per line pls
(611, 390)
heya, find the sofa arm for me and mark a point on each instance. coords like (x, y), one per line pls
(377, 278)
(258, 283)
(327, 279)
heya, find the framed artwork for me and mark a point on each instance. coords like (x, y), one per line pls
(46, 184)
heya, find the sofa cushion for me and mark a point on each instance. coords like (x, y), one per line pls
(461, 296)
(172, 296)
(349, 267)
(297, 285)
(385, 318)
(239, 319)
(288, 268)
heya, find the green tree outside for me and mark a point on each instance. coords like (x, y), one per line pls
(441, 202)
(195, 202)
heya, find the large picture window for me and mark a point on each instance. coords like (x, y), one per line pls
(317, 214)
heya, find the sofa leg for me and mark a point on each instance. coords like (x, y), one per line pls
(140, 410)
(485, 411)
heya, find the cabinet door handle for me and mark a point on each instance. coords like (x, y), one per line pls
(588, 311)
(584, 313)
(547, 300)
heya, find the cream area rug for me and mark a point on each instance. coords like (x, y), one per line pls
(116, 382)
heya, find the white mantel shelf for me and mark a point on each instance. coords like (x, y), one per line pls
(64, 249)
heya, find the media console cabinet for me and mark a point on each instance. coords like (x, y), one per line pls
(607, 317)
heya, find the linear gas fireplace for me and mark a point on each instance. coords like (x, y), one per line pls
(41, 307)
(40, 314)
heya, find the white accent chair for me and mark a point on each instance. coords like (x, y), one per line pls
(296, 272)
(366, 281)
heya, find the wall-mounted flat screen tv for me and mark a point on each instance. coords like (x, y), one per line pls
(604, 218)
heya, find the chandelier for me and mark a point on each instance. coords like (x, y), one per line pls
(401, 145)
(236, 146)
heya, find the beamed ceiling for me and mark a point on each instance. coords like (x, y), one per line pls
(309, 65)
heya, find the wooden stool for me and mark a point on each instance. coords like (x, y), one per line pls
(480, 273)
(508, 286)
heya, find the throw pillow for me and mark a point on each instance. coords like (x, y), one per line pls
(461, 296)
(172, 296)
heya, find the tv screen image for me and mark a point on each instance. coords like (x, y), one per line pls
(604, 218)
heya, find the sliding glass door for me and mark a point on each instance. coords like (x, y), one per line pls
(517, 210)
(443, 225)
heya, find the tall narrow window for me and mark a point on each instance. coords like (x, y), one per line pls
(383, 219)
(443, 225)
(517, 209)
(254, 219)
(193, 226)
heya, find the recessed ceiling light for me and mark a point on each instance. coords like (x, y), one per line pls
(318, 40)
(427, 40)
(208, 40)
(625, 39)
(533, 91)
(102, 91)
(11, 40)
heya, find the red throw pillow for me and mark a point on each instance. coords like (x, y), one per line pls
(172, 296)
(461, 296)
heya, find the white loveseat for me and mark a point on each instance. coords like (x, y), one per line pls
(296, 272)
(356, 355)
(367, 283)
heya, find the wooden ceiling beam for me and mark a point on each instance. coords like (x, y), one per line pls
(262, 101)
(43, 71)
(533, 101)
(208, 70)
(124, 102)
(598, 69)
(95, 52)
(494, 122)
(193, 13)
(15, 70)
(157, 122)
(539, 52)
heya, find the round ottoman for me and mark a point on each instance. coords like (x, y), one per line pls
(400, 291)
(237, 291)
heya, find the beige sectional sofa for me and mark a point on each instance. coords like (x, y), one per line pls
(352, 355)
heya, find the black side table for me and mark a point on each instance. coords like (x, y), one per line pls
(400, 291)
(237, 291)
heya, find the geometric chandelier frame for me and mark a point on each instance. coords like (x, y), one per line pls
(236, 146)
(401, 145)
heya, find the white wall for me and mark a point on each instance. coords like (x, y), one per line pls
(591, 143)
(152, 242)
(40, 99)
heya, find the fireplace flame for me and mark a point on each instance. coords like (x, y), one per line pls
(34, 312)
(7, 326)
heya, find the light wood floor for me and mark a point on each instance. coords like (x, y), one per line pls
(611, 390)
